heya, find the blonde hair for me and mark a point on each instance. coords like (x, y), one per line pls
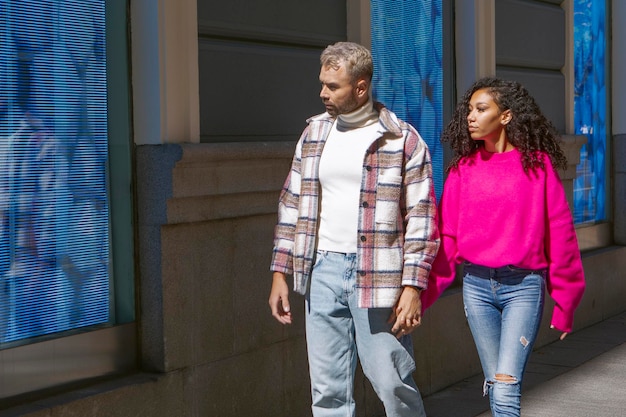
(356, 58)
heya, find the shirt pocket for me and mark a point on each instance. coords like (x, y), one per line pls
(388, 199)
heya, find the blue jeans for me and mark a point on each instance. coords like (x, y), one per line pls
(503, 308)
(337, 331)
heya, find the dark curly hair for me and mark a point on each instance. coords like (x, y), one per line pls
(529, 130)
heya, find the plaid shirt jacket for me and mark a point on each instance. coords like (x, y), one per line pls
(397, 235)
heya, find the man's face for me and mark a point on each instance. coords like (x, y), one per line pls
(338, 94)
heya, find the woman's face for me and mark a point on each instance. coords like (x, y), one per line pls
(485, 120)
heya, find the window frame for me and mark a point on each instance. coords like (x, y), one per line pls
(99, 351)
(599, 234)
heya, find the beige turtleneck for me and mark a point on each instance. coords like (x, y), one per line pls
(361, 117)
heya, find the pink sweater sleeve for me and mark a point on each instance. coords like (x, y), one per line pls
(566, 281)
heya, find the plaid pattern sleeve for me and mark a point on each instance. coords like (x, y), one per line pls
(421, 235)
(284, 232)
(295, 232)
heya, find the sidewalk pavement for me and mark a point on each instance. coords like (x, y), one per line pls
(582, 376)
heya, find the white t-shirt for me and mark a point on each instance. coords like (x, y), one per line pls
(341, 173)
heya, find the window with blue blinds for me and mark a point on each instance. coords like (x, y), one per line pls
(54, 205)
(407, 47)
(590, 109)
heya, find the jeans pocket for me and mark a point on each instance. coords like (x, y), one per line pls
(320, 255)
(535, 278)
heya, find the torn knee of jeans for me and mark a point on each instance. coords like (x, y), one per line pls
(505, 379)
(499, 379)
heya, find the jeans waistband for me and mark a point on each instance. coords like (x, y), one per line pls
(508, 271)
(326, 252)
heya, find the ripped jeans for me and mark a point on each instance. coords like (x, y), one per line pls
(503, 308)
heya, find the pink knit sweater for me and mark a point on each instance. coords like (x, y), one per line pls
(494, 214)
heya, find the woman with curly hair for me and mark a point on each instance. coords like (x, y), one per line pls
(504, 216)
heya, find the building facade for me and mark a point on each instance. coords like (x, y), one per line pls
(207, 99)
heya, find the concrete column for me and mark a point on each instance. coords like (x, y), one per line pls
(358, 25)
(618, 108)
(166, 101)
(619, 175)
(475, 41)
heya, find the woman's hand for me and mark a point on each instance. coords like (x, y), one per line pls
(562, 334)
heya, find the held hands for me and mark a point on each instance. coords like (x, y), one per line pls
(279, 298)
(562, 334)
(406, 315)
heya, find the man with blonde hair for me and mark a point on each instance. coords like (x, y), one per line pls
(356, 229)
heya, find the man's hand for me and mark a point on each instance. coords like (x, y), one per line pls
(279, 298)
(406, 315)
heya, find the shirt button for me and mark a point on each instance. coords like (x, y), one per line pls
(365, 205)
(368, 168)
(363, 238)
